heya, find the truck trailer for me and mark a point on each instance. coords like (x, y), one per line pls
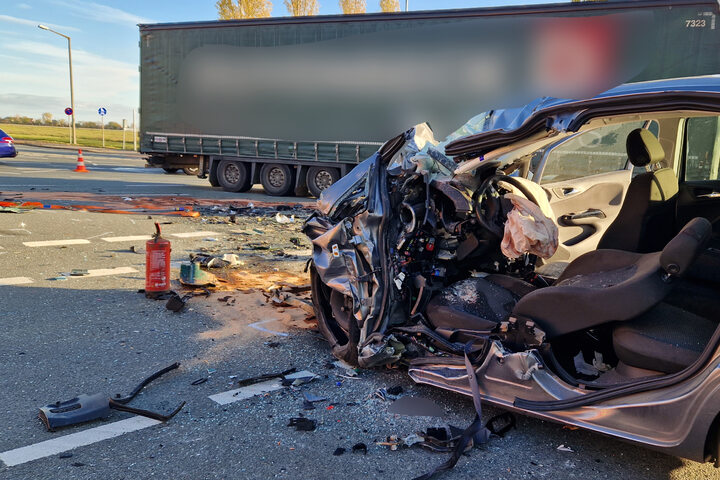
(294, 103)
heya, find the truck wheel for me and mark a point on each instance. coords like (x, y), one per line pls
(319, 178)
(170, 170)
(276, 179)
(233, 176)
(191, 170)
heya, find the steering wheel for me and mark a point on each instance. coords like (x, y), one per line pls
(486, 200)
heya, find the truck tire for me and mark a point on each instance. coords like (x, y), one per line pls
(276, 179)
(233, 176)
(170, 170)
(319, 178)
(191, 170)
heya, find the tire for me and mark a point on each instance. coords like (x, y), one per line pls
(277, 179)
(212, 175)
(233, 176)
(319, 178)
(170, 170)
(343, 334)
(191, 170)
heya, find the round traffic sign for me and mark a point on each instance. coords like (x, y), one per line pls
(68, 111)
(102, 111)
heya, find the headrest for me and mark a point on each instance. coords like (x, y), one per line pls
(680, 252)
(643, 148)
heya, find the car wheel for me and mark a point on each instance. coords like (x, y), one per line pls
(191, 170)
(170, 170)
(276, 179)
(319, 178)
(233, 176)
(333, 311)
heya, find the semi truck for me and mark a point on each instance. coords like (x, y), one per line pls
(294, 103)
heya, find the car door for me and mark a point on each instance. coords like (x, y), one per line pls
(699, 194)
(586, 177)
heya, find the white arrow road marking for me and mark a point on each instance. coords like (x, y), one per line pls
(74, 440)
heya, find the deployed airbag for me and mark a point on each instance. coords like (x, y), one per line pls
(528, 230)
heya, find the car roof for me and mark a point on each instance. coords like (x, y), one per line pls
(505, 126)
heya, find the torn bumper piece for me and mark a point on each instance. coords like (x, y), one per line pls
(85, 408)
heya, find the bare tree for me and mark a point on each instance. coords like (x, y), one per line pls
(46, 118)
(299, 8)
(389, 5)
(231, 9)
(353, 6)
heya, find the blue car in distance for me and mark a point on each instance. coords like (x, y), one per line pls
(7, 145)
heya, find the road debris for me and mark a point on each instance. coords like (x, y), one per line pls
(563, 448)
(303, 424)
(85, 408)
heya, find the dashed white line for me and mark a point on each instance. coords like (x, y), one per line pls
(74, 440)
(54, 243)
(193, 234)
(238, 394)
(15, 281)
(129, 238)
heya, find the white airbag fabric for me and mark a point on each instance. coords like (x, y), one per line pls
(528, 230)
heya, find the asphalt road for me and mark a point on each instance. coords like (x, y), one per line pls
(40, 169)
(96, 334)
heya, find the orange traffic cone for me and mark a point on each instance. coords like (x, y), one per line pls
(80, 163)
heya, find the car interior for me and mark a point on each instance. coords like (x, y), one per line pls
(632, 291)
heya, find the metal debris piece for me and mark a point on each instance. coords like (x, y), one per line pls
(303, 424)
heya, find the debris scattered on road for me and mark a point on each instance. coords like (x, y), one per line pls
(192, 275)
(268, 376)
(338, 451)
(360, 448)
(200, 381)
(85, 408)
(563, 448)
(280, 218)
(303, 424)
(76, 272)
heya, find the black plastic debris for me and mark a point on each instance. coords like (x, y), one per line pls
(303, 424)
(360, 448)
(85, 408)
(268, 376)
(396, 390)
(200, 381)
(338, 451)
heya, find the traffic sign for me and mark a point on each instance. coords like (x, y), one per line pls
(102, 111)
(68, 111)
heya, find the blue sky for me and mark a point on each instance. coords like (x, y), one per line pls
(34, 71)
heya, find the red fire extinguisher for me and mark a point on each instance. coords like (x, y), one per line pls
(157, 265)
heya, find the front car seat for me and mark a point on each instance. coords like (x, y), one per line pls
(646, 220)
(604, 286)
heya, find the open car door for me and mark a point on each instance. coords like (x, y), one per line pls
(586, 177)
(700, 185)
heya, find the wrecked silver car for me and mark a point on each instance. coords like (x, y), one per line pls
(559, 260)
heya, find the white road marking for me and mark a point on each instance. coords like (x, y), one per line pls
(74, 440)
(15, 280)
(100, 235)
(258, 326)
(193, 234)
(238, 394)
(53, 243)
(129, 238)
(104, 272)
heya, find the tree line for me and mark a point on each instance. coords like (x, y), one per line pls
(47, 120)
(235, 9)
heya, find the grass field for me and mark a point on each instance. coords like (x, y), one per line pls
(87, 137)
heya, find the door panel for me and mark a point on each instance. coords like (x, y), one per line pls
(700, 199)
(584, 208)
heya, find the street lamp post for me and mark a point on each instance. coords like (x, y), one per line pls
(72, 93)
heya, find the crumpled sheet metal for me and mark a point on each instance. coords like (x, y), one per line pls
(528, 230)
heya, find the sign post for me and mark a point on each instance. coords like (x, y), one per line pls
(124, 126)
(69, 112)
(102, 111)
